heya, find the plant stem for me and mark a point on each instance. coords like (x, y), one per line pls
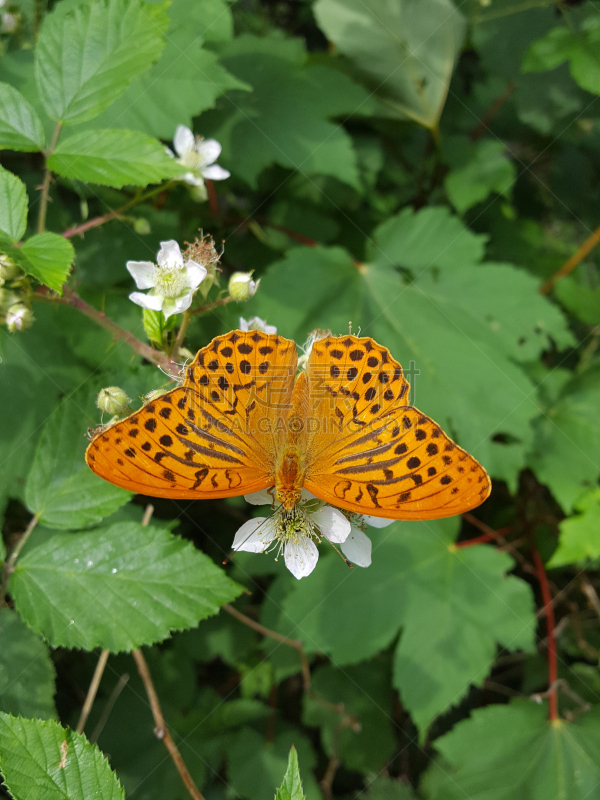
(587, 247)
(97, 221)
(489, 115)
(179, 339)
(45, 196)
(114, 695)
(93, 690)
(211, 306)
(70, 298)
(549, 609)
(488, 533)
(161, 731)
(212, 197)
(9, 564)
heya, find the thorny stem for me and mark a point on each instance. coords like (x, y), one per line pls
(97, 221)
(70, 298)
(569, 265)
(45, 196)
(92, 691)
(9, 564)
(549, 609)
(161, 731)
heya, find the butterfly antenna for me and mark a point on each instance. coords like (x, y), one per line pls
(230, 557)
(341, 555)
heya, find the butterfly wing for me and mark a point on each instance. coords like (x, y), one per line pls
(215, 436)
(370, 451)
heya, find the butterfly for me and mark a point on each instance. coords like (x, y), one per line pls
(244, 420)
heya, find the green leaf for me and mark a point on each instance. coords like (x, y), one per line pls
(154, 325)
(515, 753)
(365, 691)
(487, 169)
(86, 58)
(178, 88)
(20, 126)
(562, 44)
(405, 51)
(146, 579)
(285, 120)
(566, 450)
(60, 488)
(13, 206)
(48, 257)
(417, 578)
(291, 788)
(458, 328)
(579, 535)
(40, 760)
(114, 158)
(26, 670)
(581, 300)
(389, 789)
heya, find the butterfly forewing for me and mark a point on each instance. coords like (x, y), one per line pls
(215, 436)
(369, 450)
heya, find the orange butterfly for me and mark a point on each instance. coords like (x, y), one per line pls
(342, 429)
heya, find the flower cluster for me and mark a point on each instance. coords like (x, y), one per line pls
(297, 532)
(15, 313)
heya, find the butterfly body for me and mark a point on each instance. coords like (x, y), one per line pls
(244, 421)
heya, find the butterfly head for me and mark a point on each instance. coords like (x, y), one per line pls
(288, 496)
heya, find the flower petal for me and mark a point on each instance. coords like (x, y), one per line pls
(262, 498)
(191, 179)
(176, 305)
(357, 548)
(377, 522)
(332, 524)
(301, 558)
(306, 495)
(209, 149)
(215, 173)
(169, 254)
(255, 535)
(154, 302)
(142, 273)
(195, 274)
(183, 141)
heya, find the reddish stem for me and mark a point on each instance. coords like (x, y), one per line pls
(93, 223)
(212, 197)
(549, 609)
(577, 257)
(486, 537)
(489, 115)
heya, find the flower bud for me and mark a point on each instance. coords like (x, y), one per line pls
(142, 226)
(242, 287)
(114, 401)
(8, 268)
(153, 394)
(7, 299)
(19, 318)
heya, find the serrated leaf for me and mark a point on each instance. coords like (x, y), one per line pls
(13, 206)
(40, 760)
(562, 44)
(405, 50)
(580, 534)
(286, 118)
(487, 170)
(48, 257)
(291, 788)
(565, 454)
(117, 587)
(26, 670)
(86, 58)
(20, 126)
(515, 753)
(114, 158)
(417, 578)
(60, 488)
(177, 89)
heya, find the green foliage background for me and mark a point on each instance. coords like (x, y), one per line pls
(417, 167)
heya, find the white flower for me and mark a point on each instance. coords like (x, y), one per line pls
(199, 156)
(308, 346)
(294, 532)
(357, 547)
(256, 324)
(172, 283)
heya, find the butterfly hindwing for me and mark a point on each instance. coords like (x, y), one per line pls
(371, 451)
(215, 436)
